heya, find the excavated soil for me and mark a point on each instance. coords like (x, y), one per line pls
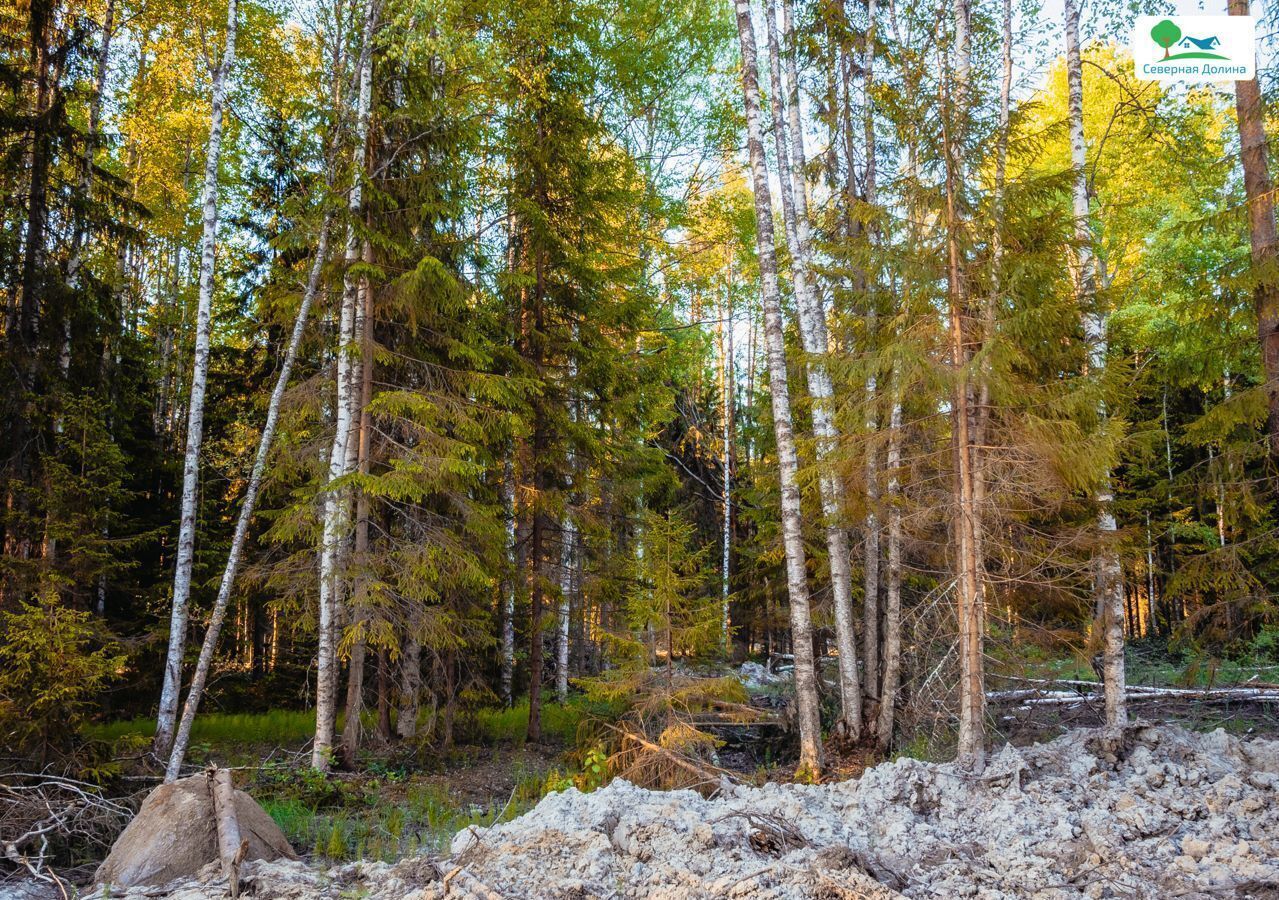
(1162, 813)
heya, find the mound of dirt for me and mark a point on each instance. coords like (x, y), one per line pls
(1161, 813)
(174, 836)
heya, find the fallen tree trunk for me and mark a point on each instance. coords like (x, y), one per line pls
(1134, 694)
(231, 847)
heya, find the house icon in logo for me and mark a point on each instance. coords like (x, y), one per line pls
(1166, 33)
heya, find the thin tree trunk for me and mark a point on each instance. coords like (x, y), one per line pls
(337, 511)
(810, 758)
(1254, 155)
(410, 689)
(728, 374)
(1108, 584)
(568, 549)
(195, 411)
(240, 537)
(812, 327)
(568, 536)
(870, 527)
(352, 727)
(534, 732)
(965, 524)
(892, 598)
(508, 584)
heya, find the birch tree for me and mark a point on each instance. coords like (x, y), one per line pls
(965, 522)
(201, 675)
(1108, 581)
(195, 411)
(337, 506)
(508, 582)
(810, 758)
(789, 142)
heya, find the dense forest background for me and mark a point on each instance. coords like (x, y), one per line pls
(395, 359)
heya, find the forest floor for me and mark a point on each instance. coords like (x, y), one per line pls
(1161, 812)
(395, 821)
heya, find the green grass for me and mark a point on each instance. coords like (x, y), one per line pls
(279, 726)
(560, 722)
(373, 822)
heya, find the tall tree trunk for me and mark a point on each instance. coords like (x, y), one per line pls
(568, 536)
(337, 507)
(537, 539)
(728, 373)
(810, 740)
(509, 582)
(1108, 582)
(410, 688)
(247, 506)
(195, 411)
(893, 592)
(352, 727)
(812, 327)
(965, 525)
(1254, 155)
(870, 527)
(568, 551)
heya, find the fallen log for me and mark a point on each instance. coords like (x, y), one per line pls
(231, 847)
(1030, 697)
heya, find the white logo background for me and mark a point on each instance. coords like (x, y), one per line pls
(1235, 41)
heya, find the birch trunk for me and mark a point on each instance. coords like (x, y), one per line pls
(337, 508)
(1108, 585)
(893, 593)
(870, 527)
(568, 536)
(247, 506)
(1254, 155)
(810, 740)
(352, 727)
(729, 374)
(195, 411)
(568, 549)
(231, 846)
(812, 327)
(508, 586)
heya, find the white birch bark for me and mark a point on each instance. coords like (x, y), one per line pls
(809, 717)
(812, 327)
(508, 586)
(337, 501)
(870, 526)
(568, 537)
(1108, 583)
(195, 411)
(729, 375)
(893, 592)
(247, 506)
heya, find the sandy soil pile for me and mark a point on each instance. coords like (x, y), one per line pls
(1167, 813)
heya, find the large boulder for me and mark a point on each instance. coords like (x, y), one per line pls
(174, 835)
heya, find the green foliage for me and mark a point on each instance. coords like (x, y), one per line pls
(50, 674)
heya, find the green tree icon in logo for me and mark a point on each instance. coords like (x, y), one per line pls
(1165, 34)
